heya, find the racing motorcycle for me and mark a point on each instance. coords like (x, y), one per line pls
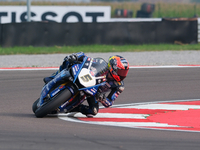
(71, 86)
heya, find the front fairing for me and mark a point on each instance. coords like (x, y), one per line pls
(90, 74)
(48, 87)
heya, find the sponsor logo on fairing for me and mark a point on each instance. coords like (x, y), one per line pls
(114, 96)
(76, 68)
(99, 81)
(55, 92)
(94, 90)
(74, 72)
(71, 90)
(63, 105)
(92, 73)
(44, 93)
(104, 79)
(88, 91)
(61, 86)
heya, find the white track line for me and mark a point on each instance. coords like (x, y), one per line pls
(56, 68)
(115, 115)
(165, 106)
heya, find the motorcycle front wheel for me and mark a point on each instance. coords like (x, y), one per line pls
(34, 106)
(53, 104)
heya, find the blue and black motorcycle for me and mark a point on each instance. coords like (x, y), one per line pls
(71, 86)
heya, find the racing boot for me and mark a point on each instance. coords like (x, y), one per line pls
(89, 112)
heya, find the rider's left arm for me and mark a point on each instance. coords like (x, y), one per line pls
(109, 100)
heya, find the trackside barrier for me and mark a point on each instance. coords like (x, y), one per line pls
(198, 29)
(112, 33)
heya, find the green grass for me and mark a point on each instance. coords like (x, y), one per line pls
(96, 48)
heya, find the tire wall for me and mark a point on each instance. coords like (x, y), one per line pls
(113, 33)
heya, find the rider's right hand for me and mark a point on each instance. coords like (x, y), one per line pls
(71, 58)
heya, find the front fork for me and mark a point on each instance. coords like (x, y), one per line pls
(73, 102)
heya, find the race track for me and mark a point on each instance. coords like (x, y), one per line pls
(21, 130)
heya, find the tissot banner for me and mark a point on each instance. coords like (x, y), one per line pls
(12, 14)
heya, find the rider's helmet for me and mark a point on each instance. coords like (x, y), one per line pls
(118, 67)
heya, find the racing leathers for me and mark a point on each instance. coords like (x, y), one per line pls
(106, 94)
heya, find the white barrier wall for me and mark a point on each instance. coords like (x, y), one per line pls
(14, 14)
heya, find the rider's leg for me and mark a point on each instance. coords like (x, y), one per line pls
(90, 110)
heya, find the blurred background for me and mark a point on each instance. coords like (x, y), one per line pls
(124, 22)
(129, 8)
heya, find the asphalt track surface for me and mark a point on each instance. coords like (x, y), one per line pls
(21, 130)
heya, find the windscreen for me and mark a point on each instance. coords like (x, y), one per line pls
(99, 67)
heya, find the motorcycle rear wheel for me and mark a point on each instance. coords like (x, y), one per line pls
(53, 104)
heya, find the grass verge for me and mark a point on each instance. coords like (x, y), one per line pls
(97, 48)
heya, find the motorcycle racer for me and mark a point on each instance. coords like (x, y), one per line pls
(117, 70)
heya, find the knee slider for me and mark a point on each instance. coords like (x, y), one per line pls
(94, 110)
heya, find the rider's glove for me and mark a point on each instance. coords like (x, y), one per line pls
(100, 97)
(104, 101)
(71, 58)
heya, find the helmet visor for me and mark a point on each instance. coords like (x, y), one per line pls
(122, 73)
